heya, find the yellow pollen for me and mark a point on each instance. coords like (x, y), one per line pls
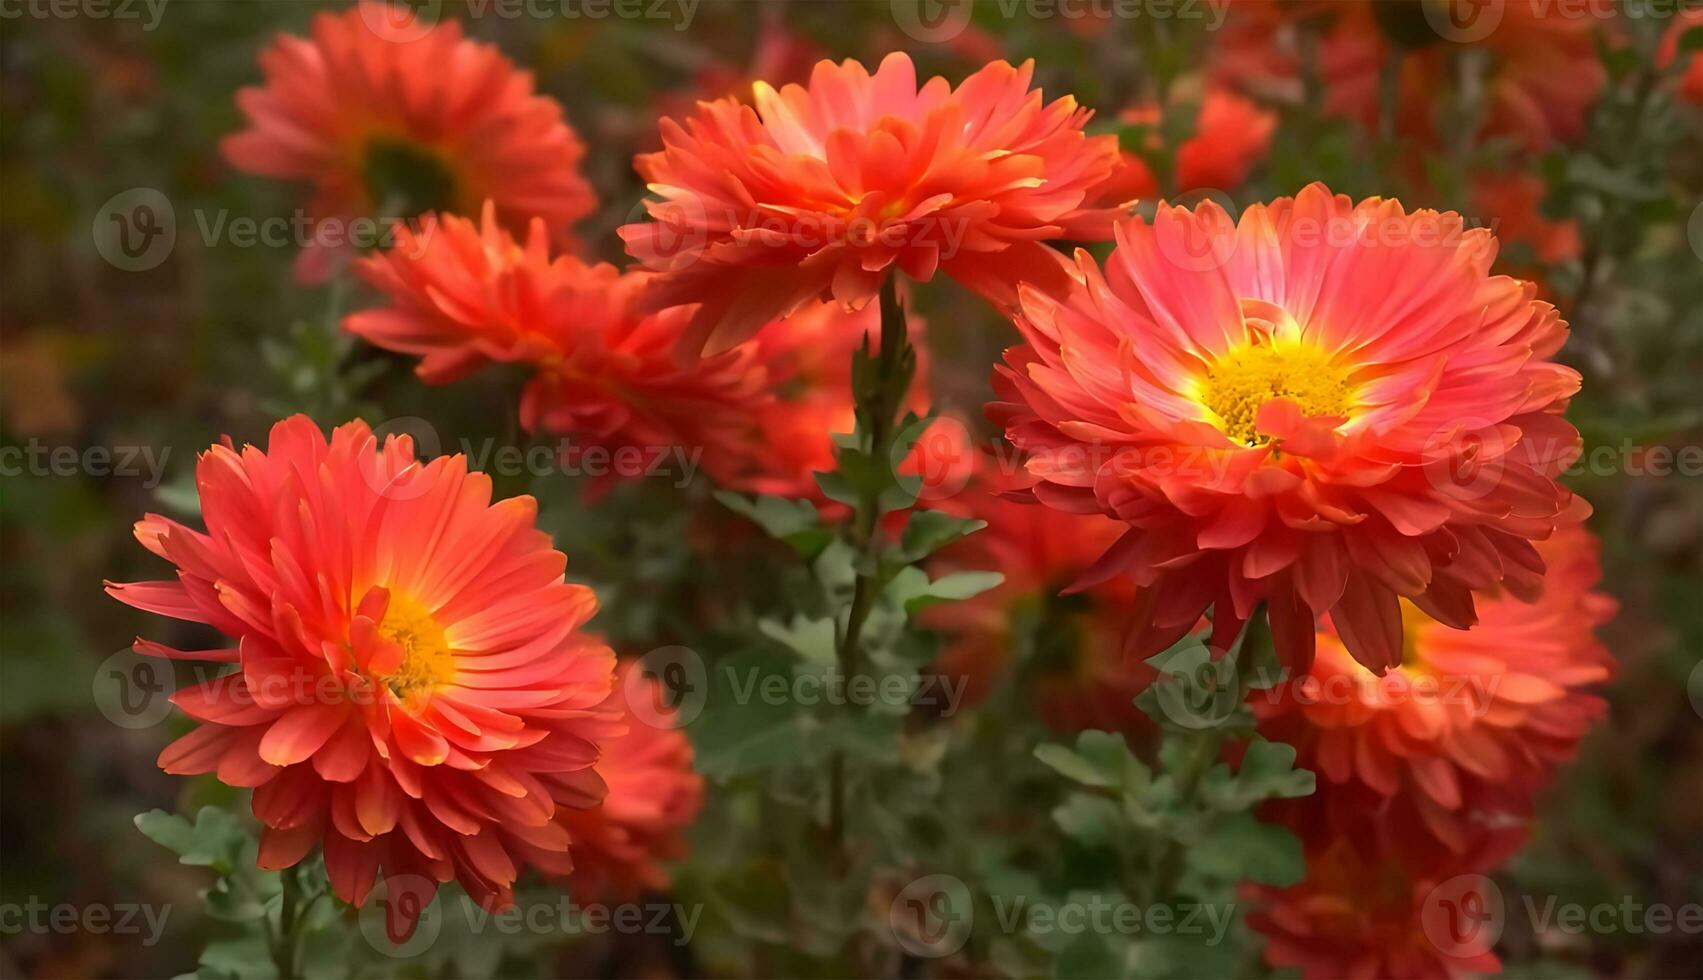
(426, 658)
(1247, 377)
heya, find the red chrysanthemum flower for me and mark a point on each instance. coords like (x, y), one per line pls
(1541, 77)
(463, 296)
(410, 686)
(821, 191)
(621, 844)
(1325, 407)
(1231, 136)
(1076, 673)
(1468, 729)
(1360, 915)
(396, 124)
(1690, 86)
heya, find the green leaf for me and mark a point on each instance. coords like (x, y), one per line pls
(1093, 820)
(812, 639)
(1267, 772)
(1194, 692)
(912, 590)
(214, 841)
(1101, 759)
(930, 530)
(797, 522)
(1240, 848)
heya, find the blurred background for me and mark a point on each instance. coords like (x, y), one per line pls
(113, 377)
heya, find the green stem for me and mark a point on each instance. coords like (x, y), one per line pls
(285, 943)
(1202, 752)
(879, 400)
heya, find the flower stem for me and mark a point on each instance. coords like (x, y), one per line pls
(1203, 750)
(880, 394)
(284, 942)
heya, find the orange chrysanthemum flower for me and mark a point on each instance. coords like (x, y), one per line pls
(1325, 407)
(821, 191)
(1231, 136)
(619, 845)
(1076, 673)
(1360, 915)
(463, 296)
(1468, 729)
(396, 124)
(410, 686)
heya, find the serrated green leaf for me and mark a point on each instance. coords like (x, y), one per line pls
(1240, 848)
(930, 530)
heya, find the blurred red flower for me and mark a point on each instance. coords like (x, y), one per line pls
(1367, 915)
(1690, 86)
(620, 844)
(1077, 676)
(1325, 407)
(821, 191)
(1231, 136)
(394, 123)
(1541, 74)
(410, 689)
(1467, 730)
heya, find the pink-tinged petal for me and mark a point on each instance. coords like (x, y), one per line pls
(1368, 617)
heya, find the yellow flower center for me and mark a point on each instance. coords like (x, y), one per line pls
(1247, 377)
(426, 657)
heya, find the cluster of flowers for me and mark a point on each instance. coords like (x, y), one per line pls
(1328, 410)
